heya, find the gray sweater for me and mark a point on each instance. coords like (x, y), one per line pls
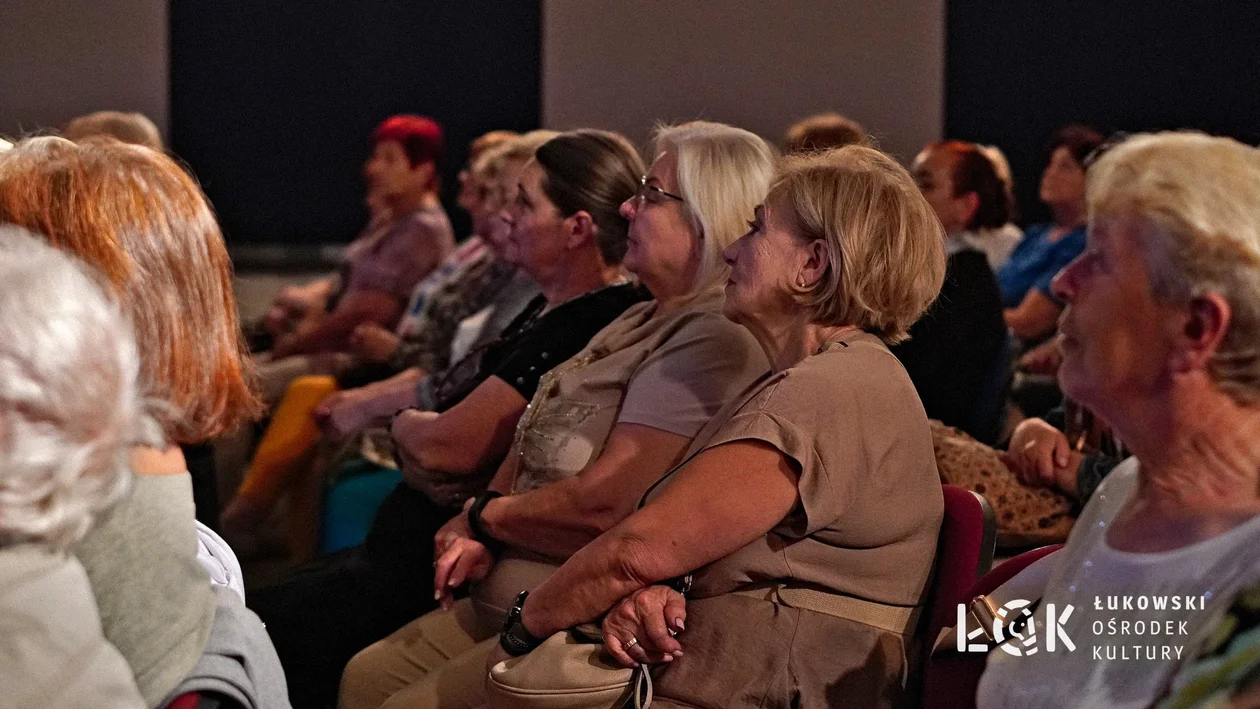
(155, 600)
(52, 652)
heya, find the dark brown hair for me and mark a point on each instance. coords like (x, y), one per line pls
(593, 171)
(974, 171)
(1078, 138)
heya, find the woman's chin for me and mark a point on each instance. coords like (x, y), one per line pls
(730, 308)
(1072, 383)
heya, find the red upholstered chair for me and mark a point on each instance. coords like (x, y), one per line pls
(964, 553)
(198, 700)
(950, 680)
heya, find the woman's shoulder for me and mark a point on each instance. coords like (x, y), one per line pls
(857, 375)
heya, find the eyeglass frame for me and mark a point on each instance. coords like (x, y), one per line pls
(640, 196)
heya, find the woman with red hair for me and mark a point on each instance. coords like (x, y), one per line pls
(407, 238)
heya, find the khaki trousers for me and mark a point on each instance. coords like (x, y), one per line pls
(435, 662)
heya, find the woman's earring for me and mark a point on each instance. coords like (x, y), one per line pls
(800, 281)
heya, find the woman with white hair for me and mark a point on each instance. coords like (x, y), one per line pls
(603, 424)
(69, 414)
(1159, 338)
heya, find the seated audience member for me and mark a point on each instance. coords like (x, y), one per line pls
(1031, 309)
(953, 349)
(473, 276)
(133, 128)
(382, 266)
(568, 235)
(602, 426)
(1158, 338)
(823, 131)
(140, 219)
(817, 484)
(69, 412)
(350, 410)
(469, 278)
(997, 244)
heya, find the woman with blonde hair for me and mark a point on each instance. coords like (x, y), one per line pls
(602, 425)
(805, 514)
(70, 410)
(142, 221)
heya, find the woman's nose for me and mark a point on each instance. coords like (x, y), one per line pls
(1064, 284)
(627, 207)
(728, 254)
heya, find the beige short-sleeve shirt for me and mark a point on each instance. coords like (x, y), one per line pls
(867, 524)
(870, 497)
(672, 371)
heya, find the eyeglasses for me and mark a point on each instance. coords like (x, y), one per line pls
(653, 194)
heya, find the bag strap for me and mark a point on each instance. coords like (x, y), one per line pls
(902, 620)
(1028, 585)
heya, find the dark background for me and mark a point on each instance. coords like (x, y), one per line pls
(273, 102)
(1015, 71)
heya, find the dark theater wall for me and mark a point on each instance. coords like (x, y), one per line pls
(1017, 70)
(273, 101)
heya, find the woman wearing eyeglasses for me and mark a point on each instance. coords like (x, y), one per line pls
(602, 426)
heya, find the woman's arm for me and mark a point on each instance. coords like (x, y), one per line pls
(333, 331)
(722, 500)
(1035, 316)
(466, 437)
(565, 516)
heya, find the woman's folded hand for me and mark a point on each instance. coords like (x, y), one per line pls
(642, 628)
(465, 561)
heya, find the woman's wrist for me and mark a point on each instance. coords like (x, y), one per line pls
(476, 522)
(532, 621)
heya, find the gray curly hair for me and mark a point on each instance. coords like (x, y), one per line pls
(70, 408)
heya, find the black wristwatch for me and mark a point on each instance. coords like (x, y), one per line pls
(515, 639)
(478, 529)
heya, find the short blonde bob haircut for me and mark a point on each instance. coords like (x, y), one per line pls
(70, 405)
(885, 244)
(724, 172)
(134, 215)
(1197, 201)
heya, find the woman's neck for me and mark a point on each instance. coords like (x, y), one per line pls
(788, 343)
(1199, 450)
(572, 280)
(668, 296)
(1067, 217)
(403, 204)
(158, 461)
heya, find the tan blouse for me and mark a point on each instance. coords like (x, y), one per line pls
(671, 371)
(867, 524)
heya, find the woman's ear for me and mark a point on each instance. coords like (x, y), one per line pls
(1203, 328)
(427, 170)
(581, 229)
(817, 258)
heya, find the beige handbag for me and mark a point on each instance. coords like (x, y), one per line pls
(568, 671)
